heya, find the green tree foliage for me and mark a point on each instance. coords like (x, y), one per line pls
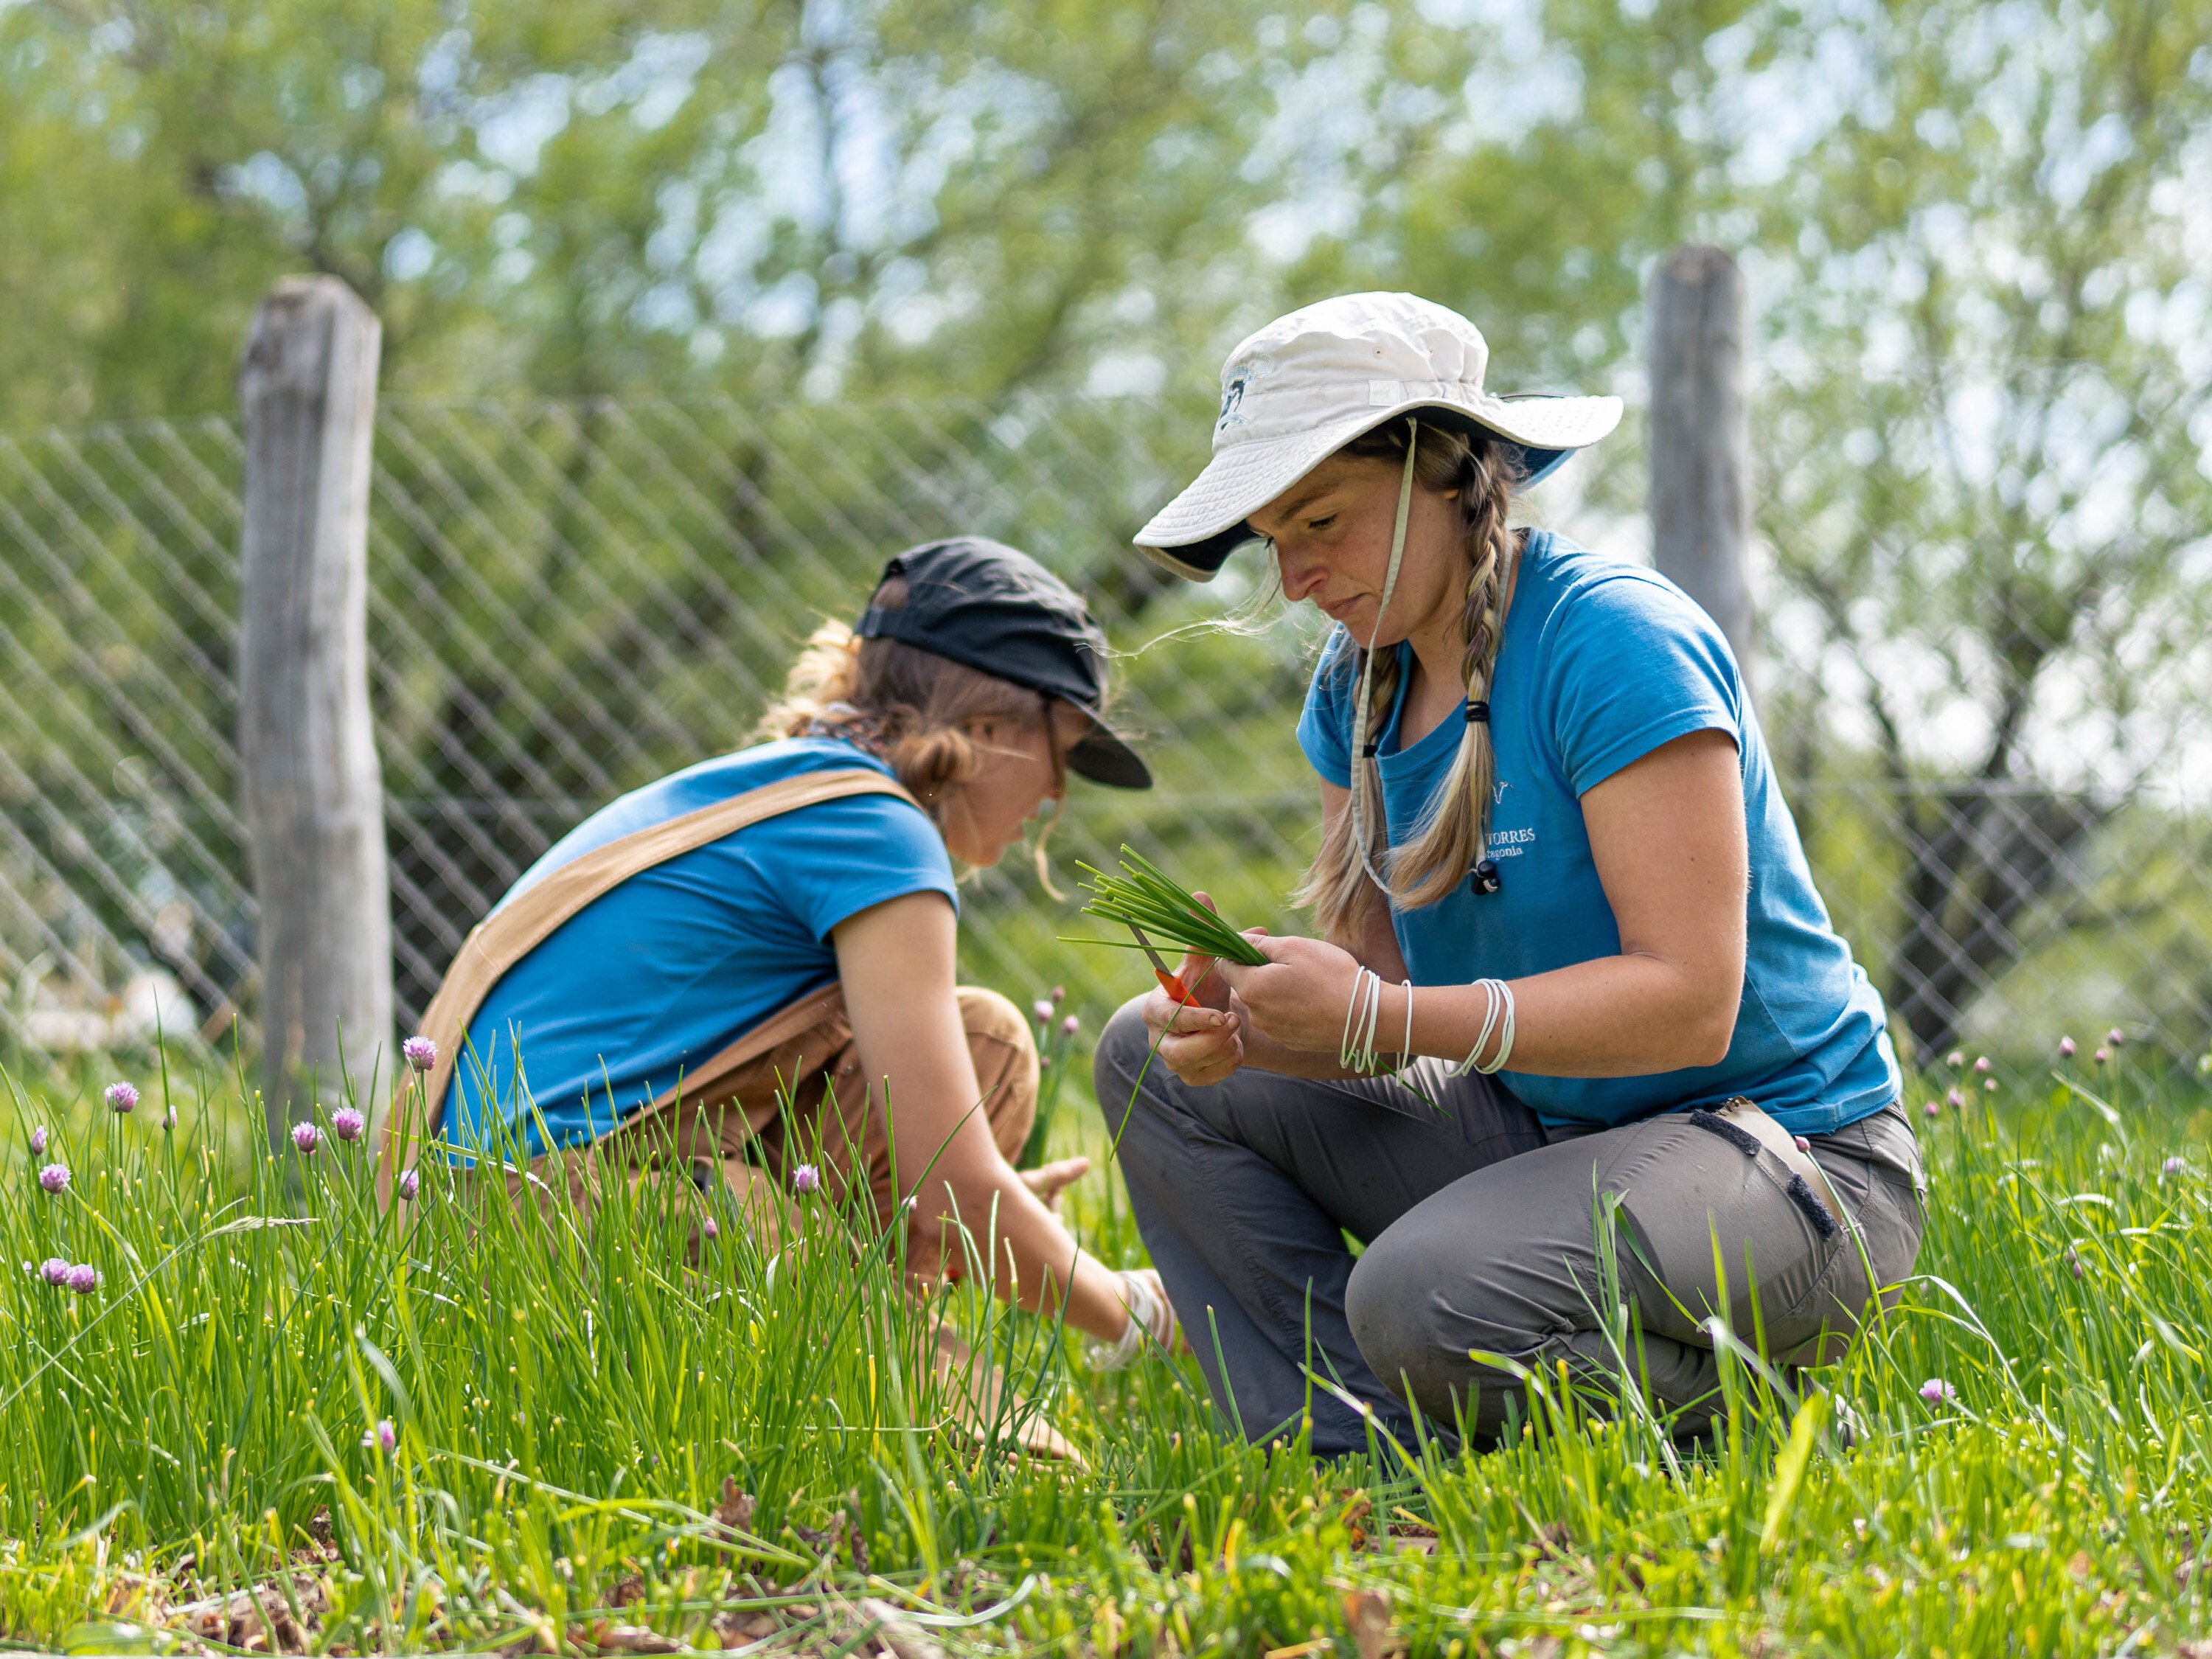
(1975, 236)
(1989, 494)
(605, 198)
(1976, 241)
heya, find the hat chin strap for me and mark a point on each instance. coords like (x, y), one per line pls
(1362, 743)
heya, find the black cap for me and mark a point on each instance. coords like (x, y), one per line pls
(1000, 612)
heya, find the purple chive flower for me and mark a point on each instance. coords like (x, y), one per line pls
(1043, 1009)
(2102, 1056)
(383, 1435)
(1070, 1026)
(1955, 1059)
(168, 1117)
(2074, 1261)
(1936, 1392)
(2172, 1166)
(1932, 1108)
(1990, 1085)
(122, 1099)
(347, 1124)
(711, 1228)
(1982, 1065)
(1059, 995)
(410, 1184)
(55, 1270)
(806, 1178)
(2066, 1047)
(84, 1278)
(54, 1177)
(2116, 1036)
(420, 1053)
(306, 1137)
(39, 1141)
(1956, 1098)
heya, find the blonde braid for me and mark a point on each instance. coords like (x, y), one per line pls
(1450, 838)
(1453, 836)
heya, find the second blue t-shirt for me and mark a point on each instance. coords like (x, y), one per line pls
(679, 961)
(1600, 663)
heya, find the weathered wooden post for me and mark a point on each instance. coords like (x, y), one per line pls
(313, 789)
(1701, 436)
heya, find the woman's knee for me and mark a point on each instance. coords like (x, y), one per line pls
(1442, 1287)
(1406, 1333)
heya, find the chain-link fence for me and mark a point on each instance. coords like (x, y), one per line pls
(570, 599)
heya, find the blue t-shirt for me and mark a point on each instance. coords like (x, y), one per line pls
(1602, 662)
(672, 966)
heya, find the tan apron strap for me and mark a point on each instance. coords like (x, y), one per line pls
(771, 1034)
(1748, 1115)
(526, 920)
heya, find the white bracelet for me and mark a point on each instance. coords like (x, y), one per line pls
(1406, 1054)
(1351, 1018)
(1505, 1038)
(1356, 1052)
(1489, 989)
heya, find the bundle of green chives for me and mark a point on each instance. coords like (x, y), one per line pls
(1145, 896)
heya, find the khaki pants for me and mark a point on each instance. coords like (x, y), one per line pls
(744, 1135)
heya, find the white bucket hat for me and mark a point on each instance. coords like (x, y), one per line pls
(1306, 385)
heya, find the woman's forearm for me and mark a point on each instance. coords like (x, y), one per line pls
(1622, 1016)
(1035, 1263)
(1613, 1016)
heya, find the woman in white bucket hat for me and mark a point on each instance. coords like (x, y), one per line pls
(1575, 1016)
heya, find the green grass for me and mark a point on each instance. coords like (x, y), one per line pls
(568, 1406)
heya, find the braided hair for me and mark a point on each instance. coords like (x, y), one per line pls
(1450, 839)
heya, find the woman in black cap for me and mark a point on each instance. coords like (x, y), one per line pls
(784, 918)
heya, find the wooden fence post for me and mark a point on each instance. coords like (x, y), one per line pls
(1701, 437)
(313, 789)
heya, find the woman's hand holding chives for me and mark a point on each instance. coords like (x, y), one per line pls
(1201, 1041)
(1300, 997)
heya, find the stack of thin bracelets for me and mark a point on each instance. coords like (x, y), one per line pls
(1356, 1050)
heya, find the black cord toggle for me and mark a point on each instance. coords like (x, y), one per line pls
(1486, 877)
(1477, 714)
(1373, 747)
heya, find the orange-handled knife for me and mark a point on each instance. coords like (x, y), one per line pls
(1170, 981)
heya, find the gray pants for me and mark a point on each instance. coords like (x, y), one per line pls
(1479, 1228)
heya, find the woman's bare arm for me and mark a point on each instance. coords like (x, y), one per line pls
(1668, 835)
(896, 960)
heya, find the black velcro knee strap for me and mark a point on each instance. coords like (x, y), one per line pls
(1806, 1199)
(1734, 1134)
